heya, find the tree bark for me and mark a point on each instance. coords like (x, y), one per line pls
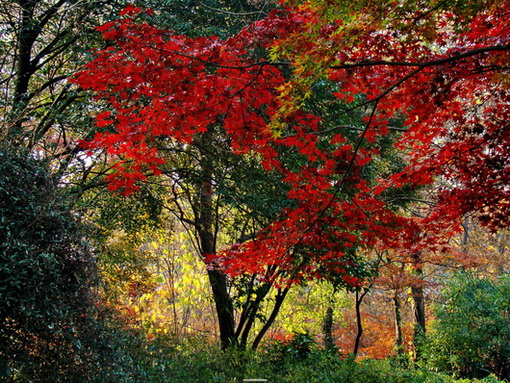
(205, 225)
(327, 330)
(464, 240)
(224, 308)
(500, 264)
(280, 297)
(24, 70)
(249, 314)
(418, 299)
(398, 323)
(359, 300)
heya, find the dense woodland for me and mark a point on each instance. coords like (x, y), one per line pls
(212, 191)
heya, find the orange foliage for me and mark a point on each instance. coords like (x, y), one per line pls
(378, 340)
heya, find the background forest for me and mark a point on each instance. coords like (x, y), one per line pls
(212, 191)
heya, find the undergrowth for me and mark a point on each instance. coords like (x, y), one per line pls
(280, 362)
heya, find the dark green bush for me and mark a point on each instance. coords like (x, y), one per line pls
(200, 362)
(471, 336)
(299, 346)
(51, 329)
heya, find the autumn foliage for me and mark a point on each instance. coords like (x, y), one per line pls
(441, 76)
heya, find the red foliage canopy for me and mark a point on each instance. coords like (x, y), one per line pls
(451, 91)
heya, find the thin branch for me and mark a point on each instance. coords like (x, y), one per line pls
(366, 63)
(351, 127)
(445, 60)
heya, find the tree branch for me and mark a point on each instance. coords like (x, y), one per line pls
(445, 60)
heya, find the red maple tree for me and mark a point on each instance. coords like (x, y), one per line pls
(441, 74)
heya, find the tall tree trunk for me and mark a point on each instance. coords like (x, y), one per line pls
(224, 308)
(398, 323)
(327, 330)
(249, 314)
(205, 225)
(418, 299)
(502, 238)
(27, 35)
(359, 300)
(464, 240)
(24, 70)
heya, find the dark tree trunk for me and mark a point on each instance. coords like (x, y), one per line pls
(418, 299)
(398, 323)
(26, 38)
(359, 300)
(464, 240)
(224, 308)
(280, 297)
(205, 225)
(327, 330)
(24, 70)
(249, 314)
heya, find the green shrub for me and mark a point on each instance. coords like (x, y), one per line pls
(471, 336)
(299, 346)
(51, 329)
(280, 362)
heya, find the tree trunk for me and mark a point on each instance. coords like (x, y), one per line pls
(249, 314)
(24, 71)
(27, 35)
(327, 330)
(205, 226)
(502, 238)
(398, 323)
(418, 299)
(464, 240)
(224, 308)
(359, 299)
(280, 297)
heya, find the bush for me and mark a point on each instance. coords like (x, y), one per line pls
(282, 362)
(471, 336)
(298, 347)
(51, 329)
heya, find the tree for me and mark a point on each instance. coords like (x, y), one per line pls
(158, 86)
(42, 45)
(455, 132)
(186, 128)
